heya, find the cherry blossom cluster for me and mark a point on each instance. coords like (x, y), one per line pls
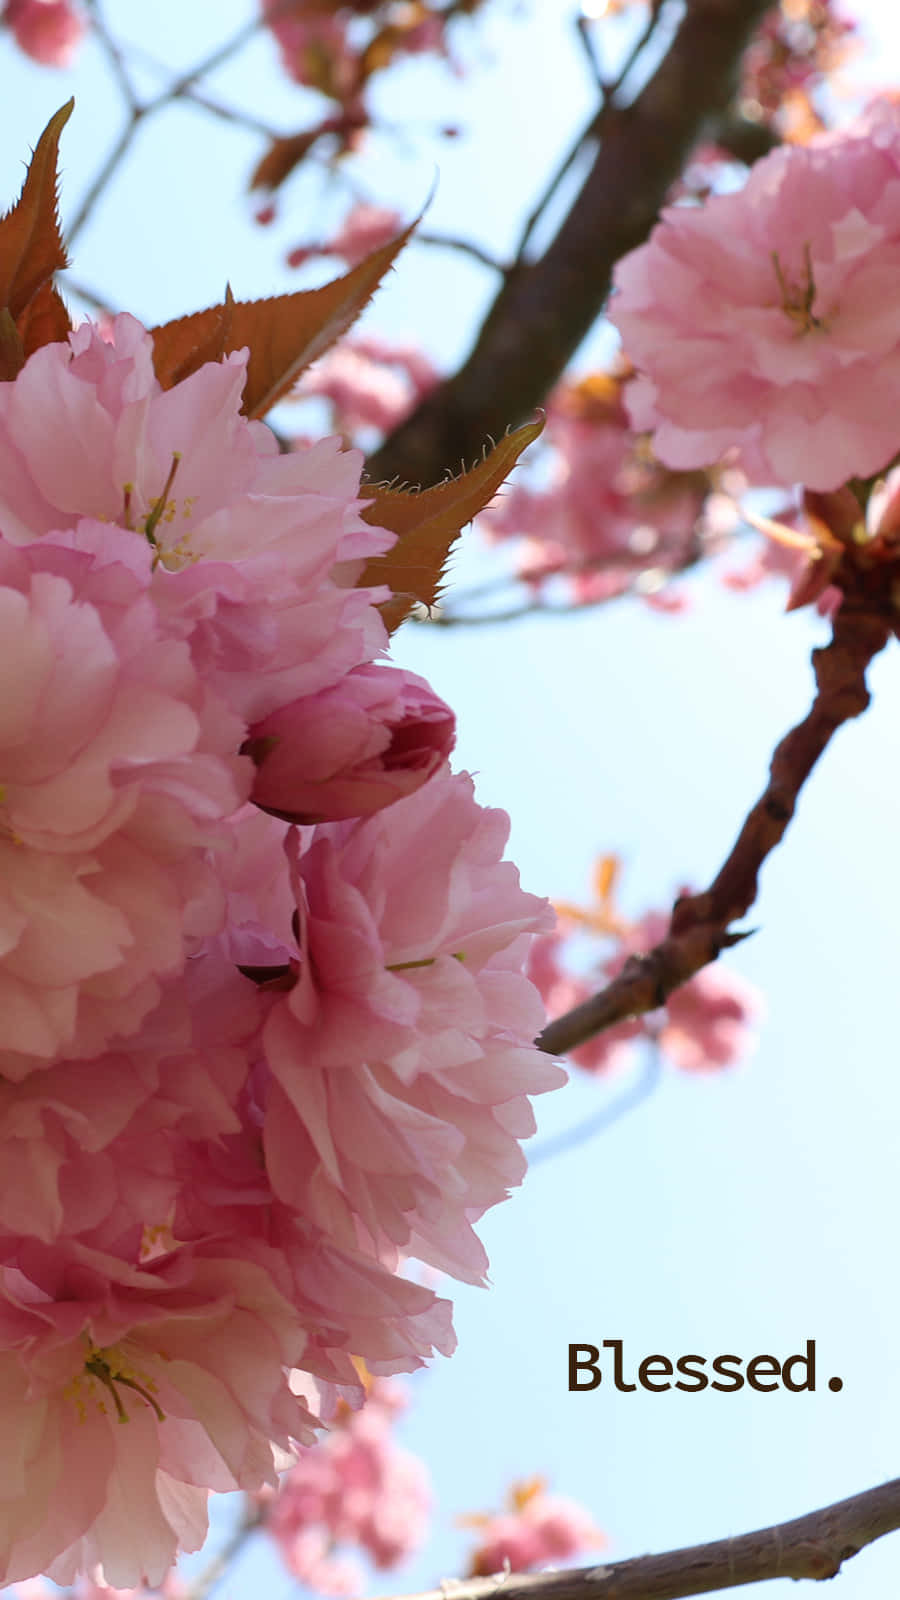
(335, 47)
(592, 513)
(364, 228)
(537, 1529)
(369, 384)
(357, 1487)
(266, 1034)
(764, 323)
(705, 1024)
(797, 46)
(596, 509)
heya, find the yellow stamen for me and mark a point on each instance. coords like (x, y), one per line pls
(107, 1367)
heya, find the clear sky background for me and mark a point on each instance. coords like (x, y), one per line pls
(747, 1211)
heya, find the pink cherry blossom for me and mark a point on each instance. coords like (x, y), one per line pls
(315, 47)
(538, 1530)
(50, 31)
(193, 1362)
(154, 626)
(119, 768)
(710, 1021)
(376, 736)
(792, 51)
(764, 321)
(369, 383)
(595, 509)
(365, 228)
(245, 544)
(401, 1059)
(246, 1069)
(355, 1487)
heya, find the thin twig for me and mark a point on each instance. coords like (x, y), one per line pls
(654, 12)
(814, 1546)
(443, 241)
(114, 54)
(700, 925)
(226, 113)
(593, 128)
(90, 296)
(584, 137)
(216, 1570)
(223, 52)
(584, 28)
(113, 161)
(178, 87)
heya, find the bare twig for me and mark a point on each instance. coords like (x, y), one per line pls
(180, 86)
(592, 129)
(465, 247)
(654, 12)
(223, 52)
(91, 297)
(584, 29)
(582, 139)
(814, 1546)
(700, 925)
(114, 54)
(110, 166)
(217, 1569)
(227, 113)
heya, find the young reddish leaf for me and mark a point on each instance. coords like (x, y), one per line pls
(31, 247)
(282, 156)
(604, 878)
(428, 522)
(45, 320)
(180, 347)
(284, 334)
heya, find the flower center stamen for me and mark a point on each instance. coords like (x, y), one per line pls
(407, 966)
(797, 299)
(109, 1368)
(159, 505)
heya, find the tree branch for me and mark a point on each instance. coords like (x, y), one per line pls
(699, 928)
(814, 1546)
(546, 307)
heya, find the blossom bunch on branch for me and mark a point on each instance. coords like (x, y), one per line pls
(266, 1032)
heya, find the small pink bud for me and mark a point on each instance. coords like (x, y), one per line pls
(374, 737)
(47, 30)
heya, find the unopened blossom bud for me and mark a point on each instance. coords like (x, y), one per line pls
(377, 735)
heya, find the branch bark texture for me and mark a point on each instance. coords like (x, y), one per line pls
(547, 307)
(700, 925)
(814, 1546)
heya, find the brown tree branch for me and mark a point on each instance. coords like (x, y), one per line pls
(699, 928)
(546, 307)
(814, 1546)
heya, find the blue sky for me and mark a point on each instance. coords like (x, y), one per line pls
(748, 1211)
